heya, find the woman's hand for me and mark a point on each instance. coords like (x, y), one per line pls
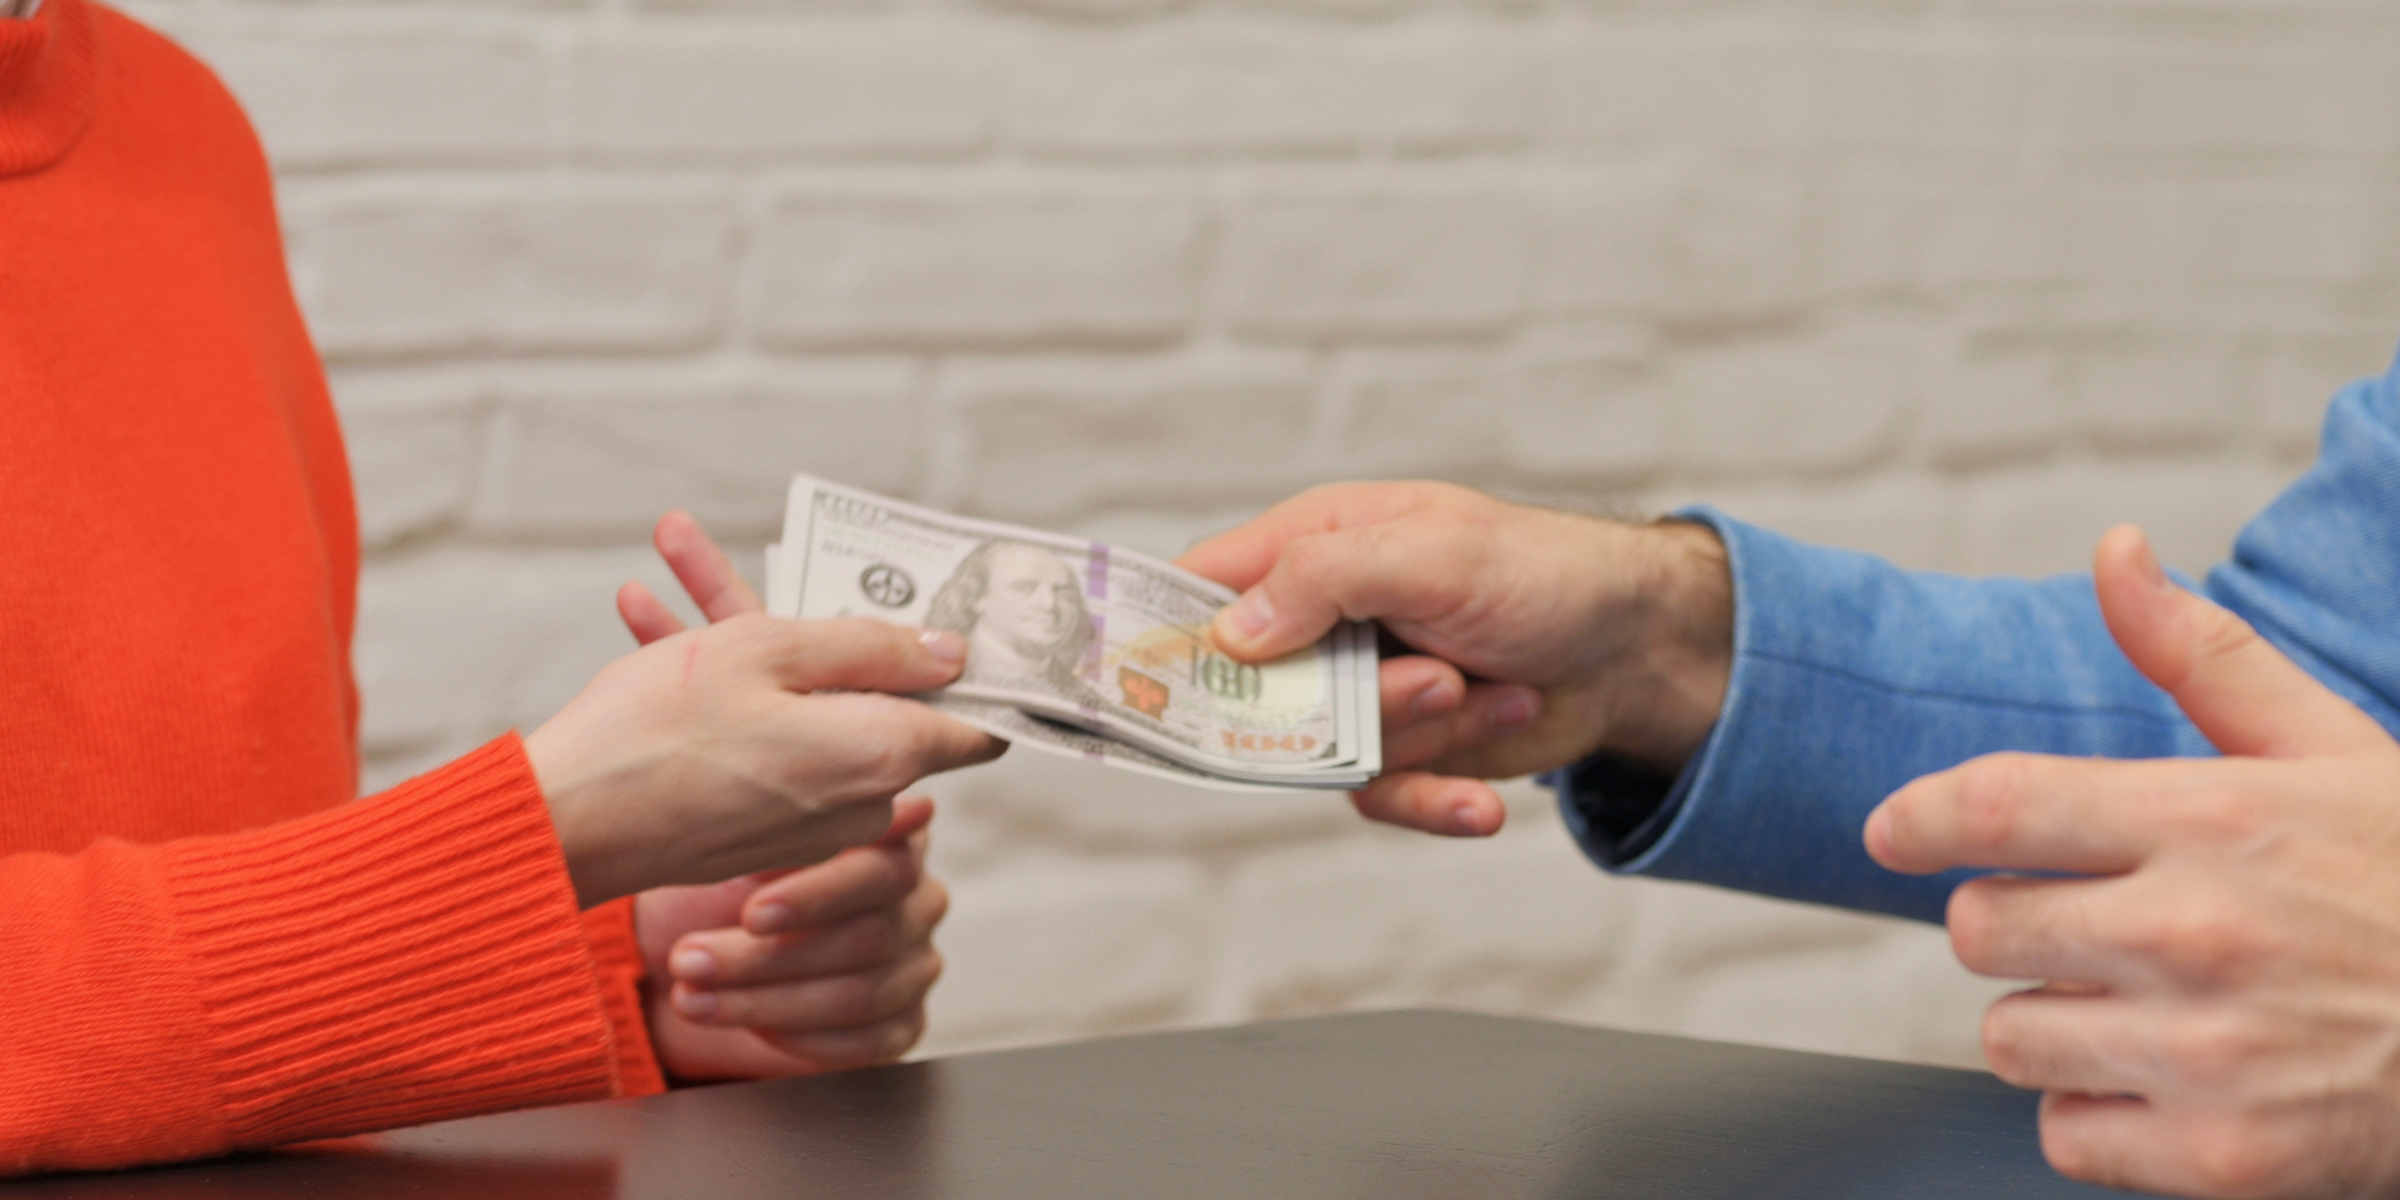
(782, 972)
(753, 744)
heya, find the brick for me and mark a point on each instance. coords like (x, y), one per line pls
(1052, 950)
(2044, 520)
(1103, 10)
(2288, 237)
(1909, 517)
(791, 88)
(1618, 86)
(1953, 102)
(2148, 393)
(1588, 421)
(2291, 381)
(605, 463)
(1044, 441)
(1317, 264)
(2050, 245)
(1896, 993)
(2226, 105)
(1180, 89)
(458, 644)
(1259, 89)
(1371, 10)
(1817, 402)
(324, 99)
(683, 9)
(2005, 397)
(1679, 934)
(1023, 268)
(1389, 917)
(2023, 390)
(1445, 86)
(1648, 243)
(992, 816)
(384, 273)
(414, 451)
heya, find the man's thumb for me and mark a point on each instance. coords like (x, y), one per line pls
(2235, 685)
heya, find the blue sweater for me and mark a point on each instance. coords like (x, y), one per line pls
(1852, 677)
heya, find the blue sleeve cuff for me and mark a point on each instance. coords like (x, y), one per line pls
(1851, 677)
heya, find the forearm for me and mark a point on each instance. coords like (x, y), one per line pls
(1849, 678)
(396, 960)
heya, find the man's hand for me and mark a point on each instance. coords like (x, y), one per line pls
(2223, 1011)
(751, 744)
(783, 972)
(1544, 635)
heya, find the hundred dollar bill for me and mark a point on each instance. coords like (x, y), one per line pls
(1024, 729)
(1085, 634)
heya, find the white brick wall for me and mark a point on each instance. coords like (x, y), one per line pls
(1961, 283)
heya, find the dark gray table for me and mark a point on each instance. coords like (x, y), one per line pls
(1386, 1106)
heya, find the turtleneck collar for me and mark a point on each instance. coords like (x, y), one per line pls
(48, 66)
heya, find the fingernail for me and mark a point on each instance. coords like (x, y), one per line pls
(1467, 818)
(1517, 710)
(1250, 615)
(770, 918)
(692, 965)
(1878, 836)
(944, 645)
(694, 1003)
(1433, 700)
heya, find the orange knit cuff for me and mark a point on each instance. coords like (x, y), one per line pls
(409, 957)
(617, 963)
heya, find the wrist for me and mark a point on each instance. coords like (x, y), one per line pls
(597, 862)
(1680, 658)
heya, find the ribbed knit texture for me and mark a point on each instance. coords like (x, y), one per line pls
(47, 65)
(444, 900)
(209, 945)
(618, 959)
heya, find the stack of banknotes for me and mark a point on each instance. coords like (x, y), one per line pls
(1084, 649)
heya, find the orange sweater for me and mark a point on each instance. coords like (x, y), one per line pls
(204, 945)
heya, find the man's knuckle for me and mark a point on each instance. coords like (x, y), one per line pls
(2223, 635)
(1975, 927)
(2198, 1052)
(2203, 939)
(900, 1036)
(2224, 815)
(851, 999)
(892, 762)
(2073, 1153)
(871, 937)
(2228, 1160)
(2004, 1045)
(1990, 795)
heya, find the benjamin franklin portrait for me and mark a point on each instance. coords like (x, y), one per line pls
(1021, 610)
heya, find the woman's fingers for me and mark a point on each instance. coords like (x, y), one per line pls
(825, 1002)
(706, 574)
(701, 567)
(843, 1049)
(720, 959)
(645, 615)
(856, 881)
